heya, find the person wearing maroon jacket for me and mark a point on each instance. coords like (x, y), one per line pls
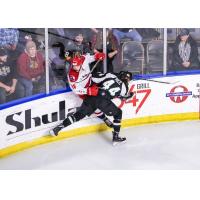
(10, 88)
(30, 66)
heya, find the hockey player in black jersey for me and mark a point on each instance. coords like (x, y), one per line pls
(106, 87)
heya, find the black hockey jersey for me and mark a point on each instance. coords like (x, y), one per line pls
(110, 85)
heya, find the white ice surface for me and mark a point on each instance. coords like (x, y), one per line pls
(157, 146)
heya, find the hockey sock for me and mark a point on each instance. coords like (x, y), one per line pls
(117, 121)
(116, 125)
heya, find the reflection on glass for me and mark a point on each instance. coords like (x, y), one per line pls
(138, 50)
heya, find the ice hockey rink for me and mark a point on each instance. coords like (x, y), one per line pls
(171, 145)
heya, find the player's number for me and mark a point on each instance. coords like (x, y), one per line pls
(108, 84)
(114, 90)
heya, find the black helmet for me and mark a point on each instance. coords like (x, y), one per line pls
(125, 76)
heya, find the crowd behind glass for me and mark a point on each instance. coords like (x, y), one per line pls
(138, 50)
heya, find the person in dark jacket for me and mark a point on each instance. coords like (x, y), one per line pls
(10, 88)
(185, 54)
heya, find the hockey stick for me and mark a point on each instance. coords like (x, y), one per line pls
(164, 82)
(90, 71)
(95, 66)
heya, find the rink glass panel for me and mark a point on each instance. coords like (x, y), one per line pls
(142, 55)
(64, 44)
(145, 57)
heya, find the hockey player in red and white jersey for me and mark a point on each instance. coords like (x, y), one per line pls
(80, 79)
(79, 76)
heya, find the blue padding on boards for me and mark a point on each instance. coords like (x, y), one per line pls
(32, 98)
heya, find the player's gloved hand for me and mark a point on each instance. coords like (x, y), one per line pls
(129, 95)
(99, 56)
(93, 90)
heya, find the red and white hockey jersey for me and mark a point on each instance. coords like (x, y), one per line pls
(81, 80)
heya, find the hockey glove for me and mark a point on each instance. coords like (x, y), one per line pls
(129, 95)
(99, 56)
(93, 90)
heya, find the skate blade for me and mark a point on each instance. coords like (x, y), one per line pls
(119, 143)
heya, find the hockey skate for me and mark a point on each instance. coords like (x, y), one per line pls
(108, 123)
(55, 131)
(118, 140)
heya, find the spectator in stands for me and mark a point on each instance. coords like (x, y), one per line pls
(10, 88)
(96, 45)
(79, 44)
(96, 39)
(31, 34)
(9, 38)
(112, 50)
(111, 46)
(131, 33)
(30, 65)
(23, 39)
(185, 54)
